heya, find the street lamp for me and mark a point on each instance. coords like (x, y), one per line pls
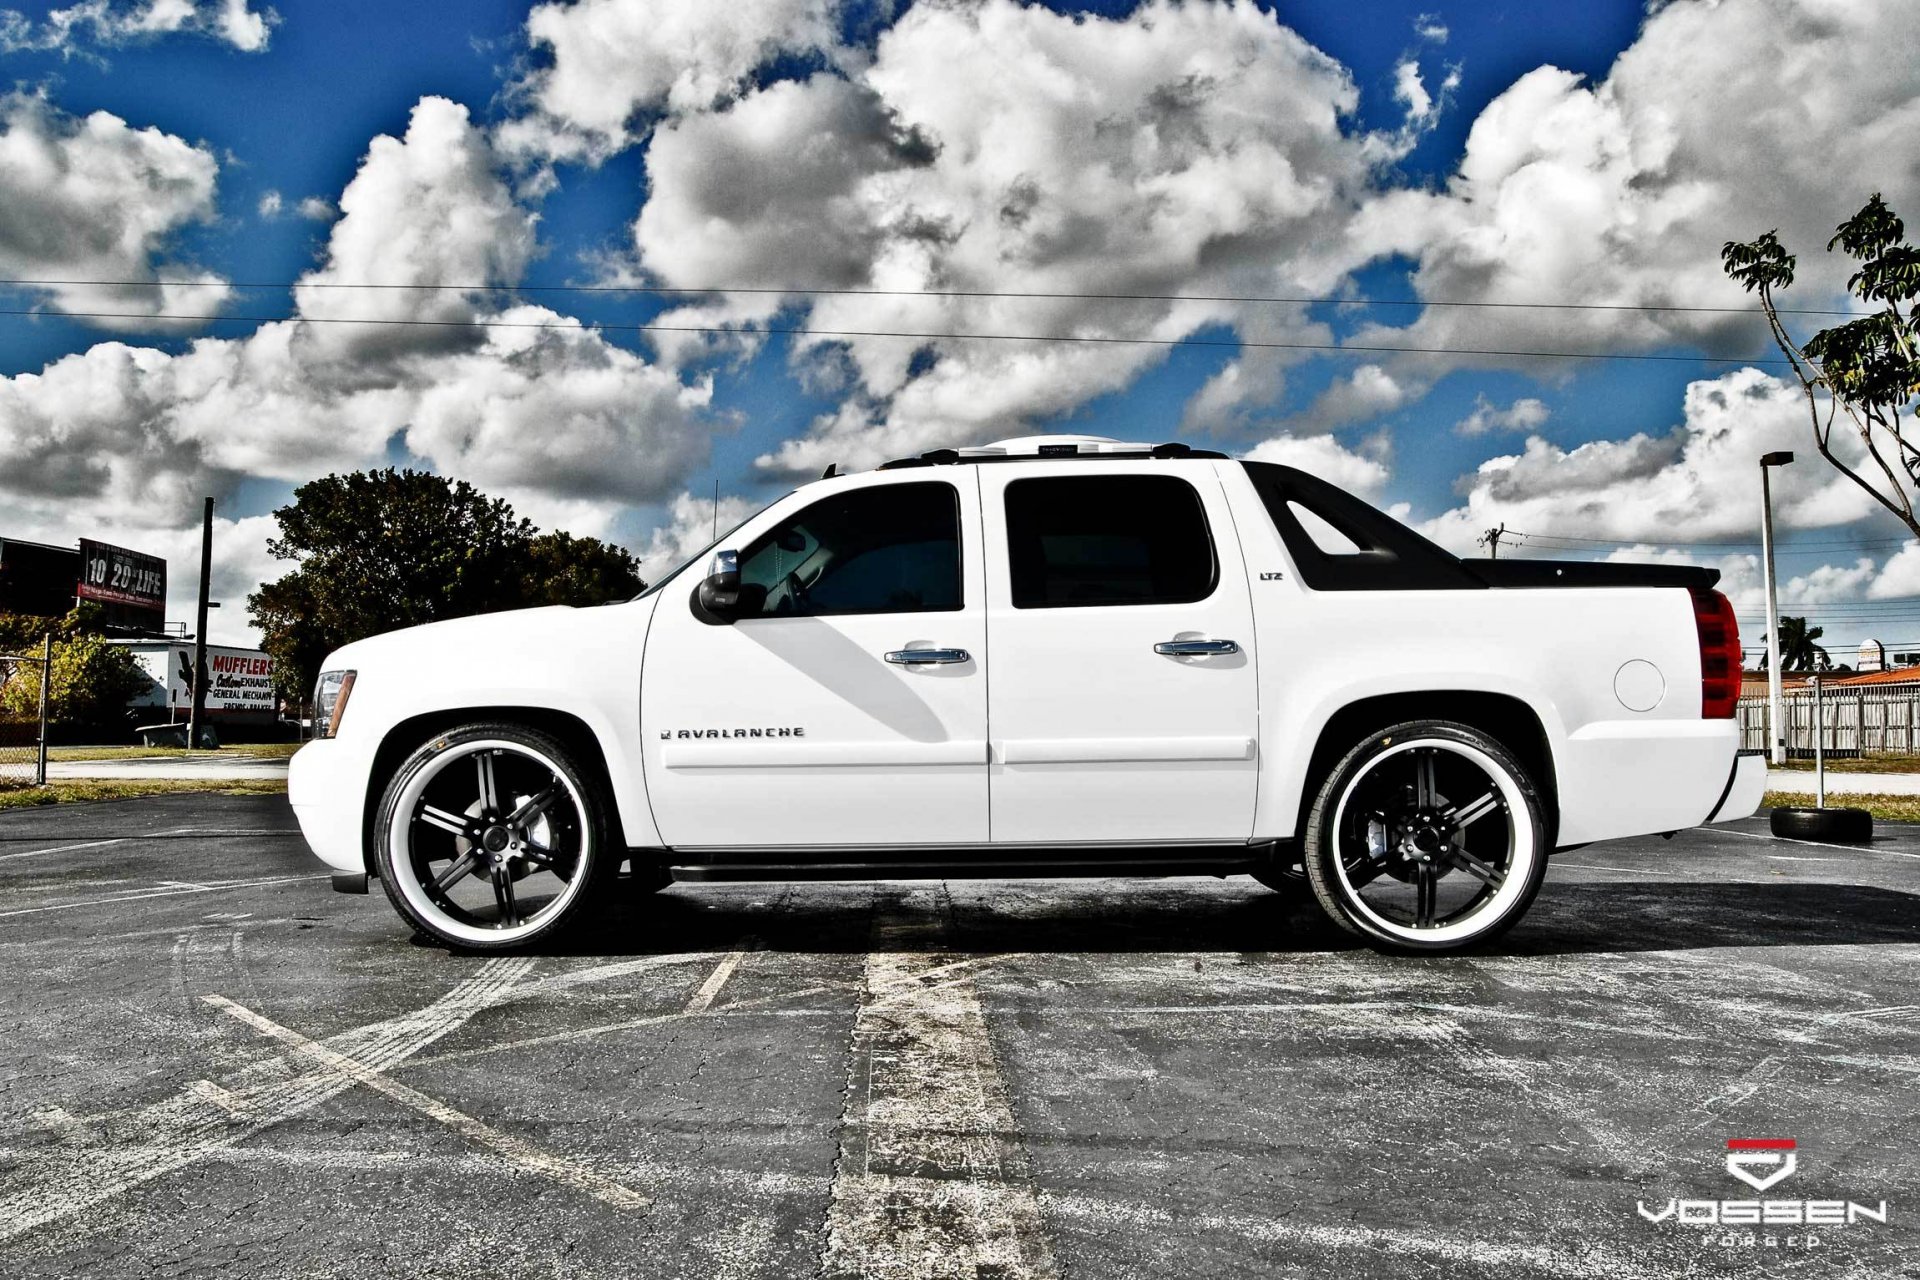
(1777, 731)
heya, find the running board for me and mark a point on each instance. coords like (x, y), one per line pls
(1205, 860)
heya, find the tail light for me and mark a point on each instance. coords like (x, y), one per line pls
(1719, 654)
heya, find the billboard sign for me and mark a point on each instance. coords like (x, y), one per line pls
(132, 585)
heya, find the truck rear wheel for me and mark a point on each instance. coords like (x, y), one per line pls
(491, 836)
(1428, 836)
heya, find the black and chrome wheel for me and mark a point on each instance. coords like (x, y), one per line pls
(1428, 836)
(491, 836)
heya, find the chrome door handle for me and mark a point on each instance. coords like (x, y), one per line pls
(1196, 648)
(918, 657)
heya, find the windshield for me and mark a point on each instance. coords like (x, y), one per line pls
(700, 556)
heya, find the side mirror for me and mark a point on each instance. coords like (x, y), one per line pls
(716, 601)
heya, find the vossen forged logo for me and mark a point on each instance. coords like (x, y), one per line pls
(1763, 1163)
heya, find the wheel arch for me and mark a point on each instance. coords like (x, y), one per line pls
(1503, 717)
(406, 736)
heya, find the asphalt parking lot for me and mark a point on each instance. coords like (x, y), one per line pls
(214, 1065)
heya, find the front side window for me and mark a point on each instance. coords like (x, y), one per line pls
(887, 549)
(1079, 541)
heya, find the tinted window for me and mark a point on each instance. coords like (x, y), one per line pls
(1339, 543)
(1107, 540)
(887, 549)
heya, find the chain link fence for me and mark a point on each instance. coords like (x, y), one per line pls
(23, 737)
(1857, 722)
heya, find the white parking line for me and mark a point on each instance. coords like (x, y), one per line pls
(67, 848)
(523, 1154)
(1821, 844)
(721, 972)
(932, 1178)
(214, 886)
(52, 1183)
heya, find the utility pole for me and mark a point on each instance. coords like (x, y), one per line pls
(199, 711)
(1776, 729)
(1491, 540)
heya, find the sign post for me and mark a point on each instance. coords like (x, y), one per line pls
(199, 711)
(46, 683)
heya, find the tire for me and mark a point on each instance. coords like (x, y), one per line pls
(446, 828)
(1830, 826)
(1401, 846)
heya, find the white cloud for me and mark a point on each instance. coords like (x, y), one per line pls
(1900, 576)
(1363, 474)
(115, 22)
(1697, 482)
(692, 523)
(527, 404)
(317, 209)
(1185, 148)
(96, 199)
(1525, 414)
(1720, 121)
(1429, 26)
(269, 206)
(612, 60)
(1410, 91)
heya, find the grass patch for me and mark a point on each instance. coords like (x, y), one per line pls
(270, 750)
(1862, 764)
(1883, 807)
(64, 791)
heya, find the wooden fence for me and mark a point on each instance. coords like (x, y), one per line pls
(1861, 721)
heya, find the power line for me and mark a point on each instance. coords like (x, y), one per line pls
(824, 291)
(805, 332)
(1666, 542)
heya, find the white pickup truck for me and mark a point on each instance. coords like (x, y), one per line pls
(1052, 656)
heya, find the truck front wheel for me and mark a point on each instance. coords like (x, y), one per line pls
(1427, 836)
(492, 836)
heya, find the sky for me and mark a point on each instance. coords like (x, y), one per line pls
(606, 259)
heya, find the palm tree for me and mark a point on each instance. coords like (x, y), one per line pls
(1798, 652)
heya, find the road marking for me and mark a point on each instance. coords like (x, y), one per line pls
(214, 886)
(50, 1184)
(522, 1154)
(68, 848)
(718, 978)
(1787, 857)
(932, 1179)
(1824, 844)
(231, 1103)
(1633, 871)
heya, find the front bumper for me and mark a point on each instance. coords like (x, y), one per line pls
(327, 787)
(1746, 785)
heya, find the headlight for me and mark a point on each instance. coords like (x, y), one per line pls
(330, 702)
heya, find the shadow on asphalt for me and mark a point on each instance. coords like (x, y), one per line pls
(1148, 916)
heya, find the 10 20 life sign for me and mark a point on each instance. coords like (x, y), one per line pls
(126, 581)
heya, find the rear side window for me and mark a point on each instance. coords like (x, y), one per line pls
(1339, 543)
(892, 548)
(1085, 541)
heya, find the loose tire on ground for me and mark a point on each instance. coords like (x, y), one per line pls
(1428, 836)
(492, 837)
(1833, 826)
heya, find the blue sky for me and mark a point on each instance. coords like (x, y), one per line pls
(1613, 183)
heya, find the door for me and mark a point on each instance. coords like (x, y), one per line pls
(850, 707)
(1123, 706)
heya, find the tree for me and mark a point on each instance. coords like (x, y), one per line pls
(1798, 652)
(1867, 368)
(91, 680)
(380, 550)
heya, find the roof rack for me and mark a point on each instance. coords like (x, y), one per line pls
(1050, 449)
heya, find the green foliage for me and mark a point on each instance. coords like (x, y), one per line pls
(380, 550)
(91, 680)
(1798, 652)
(1866, 368)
